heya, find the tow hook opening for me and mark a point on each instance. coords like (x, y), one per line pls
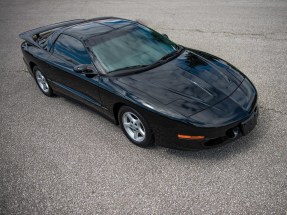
(232, 133)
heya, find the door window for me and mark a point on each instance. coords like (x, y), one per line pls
(71, 50)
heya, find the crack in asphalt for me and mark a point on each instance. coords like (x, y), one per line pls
(232, 33)
(273, 110)
(22, 70)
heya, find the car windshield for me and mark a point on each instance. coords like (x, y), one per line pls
(131, 47)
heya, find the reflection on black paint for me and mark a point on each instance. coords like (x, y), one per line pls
(193, 60)
(187, 84)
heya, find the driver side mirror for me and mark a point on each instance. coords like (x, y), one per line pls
(85, 69)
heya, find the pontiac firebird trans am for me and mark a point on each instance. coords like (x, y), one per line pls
(159, 92)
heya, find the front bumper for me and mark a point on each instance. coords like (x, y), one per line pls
(239, 111)
(168, 138)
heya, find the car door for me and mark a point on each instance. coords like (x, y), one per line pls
(68, 52)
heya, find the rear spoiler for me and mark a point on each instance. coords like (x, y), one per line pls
(28, 35)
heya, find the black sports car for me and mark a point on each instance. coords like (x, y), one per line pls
(158, 91)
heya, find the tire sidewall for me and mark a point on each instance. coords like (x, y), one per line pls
(149, 139)
(50, 92)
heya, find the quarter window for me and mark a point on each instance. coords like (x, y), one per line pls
(71, 50)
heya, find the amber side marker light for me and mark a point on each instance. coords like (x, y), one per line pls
(188, 137)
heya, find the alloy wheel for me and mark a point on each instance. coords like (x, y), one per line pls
(133, 126)
(42, 82)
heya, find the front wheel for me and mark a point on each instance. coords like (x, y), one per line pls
(135, 127)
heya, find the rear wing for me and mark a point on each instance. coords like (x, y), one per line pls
(28, 35)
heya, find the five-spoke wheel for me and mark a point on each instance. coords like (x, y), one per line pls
(135, 127)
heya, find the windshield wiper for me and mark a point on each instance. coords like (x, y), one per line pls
(160, 61)
(172, 53)
(130, 67)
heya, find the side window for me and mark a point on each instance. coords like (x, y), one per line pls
(71, 50)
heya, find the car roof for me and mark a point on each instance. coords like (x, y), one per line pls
(93, 27)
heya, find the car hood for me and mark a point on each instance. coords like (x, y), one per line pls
(187, 84)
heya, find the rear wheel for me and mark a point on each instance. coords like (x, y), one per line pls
(135, 127)
(42, 82)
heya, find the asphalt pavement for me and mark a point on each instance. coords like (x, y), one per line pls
(60, 157)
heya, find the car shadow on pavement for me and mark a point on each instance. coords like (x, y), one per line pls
(84, 107)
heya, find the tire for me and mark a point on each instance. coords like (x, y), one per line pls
(42, 82)
(132, 122)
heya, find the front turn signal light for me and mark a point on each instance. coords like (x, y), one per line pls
(188, 137)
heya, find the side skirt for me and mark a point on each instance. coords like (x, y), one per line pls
(81, 98)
